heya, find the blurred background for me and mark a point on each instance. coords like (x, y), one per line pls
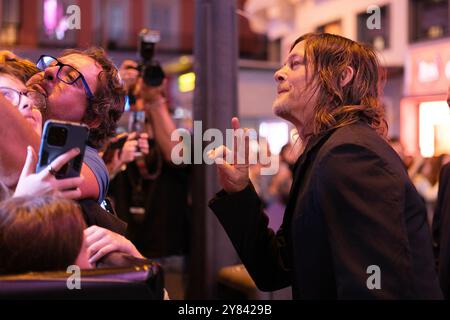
(413, 42)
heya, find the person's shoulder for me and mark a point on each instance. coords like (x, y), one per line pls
(360, 143)
(92, 158)
(358, 133)
(358, 136)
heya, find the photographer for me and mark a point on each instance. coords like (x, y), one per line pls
(118, 155)
(151, 193)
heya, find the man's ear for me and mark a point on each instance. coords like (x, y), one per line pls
(346, 76)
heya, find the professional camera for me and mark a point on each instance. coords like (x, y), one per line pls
(150, 69)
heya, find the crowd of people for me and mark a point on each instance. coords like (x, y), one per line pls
(345, 197)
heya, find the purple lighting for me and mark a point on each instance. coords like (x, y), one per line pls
(53, 18)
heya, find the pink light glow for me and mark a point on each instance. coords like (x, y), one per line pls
(50, 15)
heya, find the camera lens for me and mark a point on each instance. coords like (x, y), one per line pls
(57, 136)
(153, 74)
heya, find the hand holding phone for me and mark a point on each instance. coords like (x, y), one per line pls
(44, 183)
(59, 137)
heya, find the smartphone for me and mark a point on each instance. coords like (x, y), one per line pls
(136, 121)
(116, 145)
(58, 137)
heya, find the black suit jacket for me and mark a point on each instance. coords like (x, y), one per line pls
(96, 215)
(352, 206)
(441, 230)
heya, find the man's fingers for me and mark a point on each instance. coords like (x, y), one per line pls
(143, 144)
(132, 136)
(132, 143)
(235, 124)
(93, 234)
(30, 163)
(241, 146)
(101, 253)
(220, 154)
(91, 230)
(97, 245)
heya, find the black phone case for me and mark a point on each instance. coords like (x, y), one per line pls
(77, 136)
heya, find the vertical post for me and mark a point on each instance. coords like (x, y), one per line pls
(85, 36)
(136, 17)
(215, 103)
(30, 24)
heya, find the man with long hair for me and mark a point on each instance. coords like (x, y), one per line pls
(354, 226)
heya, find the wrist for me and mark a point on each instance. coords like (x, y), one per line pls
(156, 104)
(237, 187)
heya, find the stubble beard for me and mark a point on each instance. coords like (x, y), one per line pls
(280, 109)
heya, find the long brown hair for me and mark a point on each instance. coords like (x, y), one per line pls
(326, 58)
(39, 234)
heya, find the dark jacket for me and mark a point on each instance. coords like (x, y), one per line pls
(441, 230)
(96, 215)
(164, 228)
(352, 206)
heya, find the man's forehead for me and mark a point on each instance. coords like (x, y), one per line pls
(299, 48)
(86, 65)
(297, 51)
(79, 61)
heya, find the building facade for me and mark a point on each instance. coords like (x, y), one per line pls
(413, 43)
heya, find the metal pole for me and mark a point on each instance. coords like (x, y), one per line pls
(215, 103)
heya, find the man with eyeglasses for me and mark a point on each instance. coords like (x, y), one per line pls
(79, 86)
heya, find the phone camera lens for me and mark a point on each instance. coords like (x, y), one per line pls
(57, 136)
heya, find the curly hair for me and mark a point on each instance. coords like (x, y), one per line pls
(326, 58)
(108, 102)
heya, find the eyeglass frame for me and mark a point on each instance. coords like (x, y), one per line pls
(60, 65)
(22, 93)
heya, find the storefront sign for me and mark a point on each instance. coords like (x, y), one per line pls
(428, 69)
